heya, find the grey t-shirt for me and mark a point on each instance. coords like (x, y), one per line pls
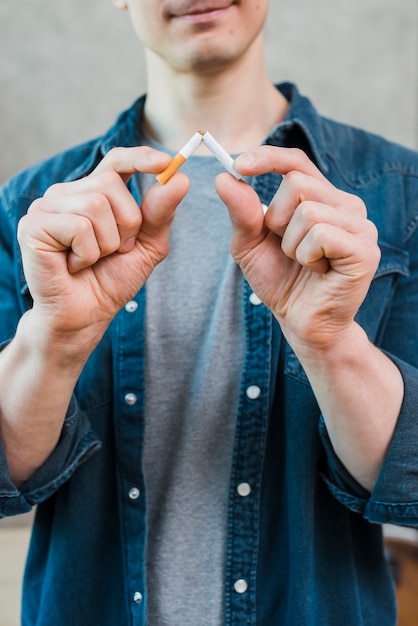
(194, 355)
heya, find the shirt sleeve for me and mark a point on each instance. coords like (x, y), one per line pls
(394, 498)
(77, 441)
(76, 445)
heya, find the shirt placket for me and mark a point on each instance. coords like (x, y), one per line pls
(129, 434)
(244, 502)
(251, 431)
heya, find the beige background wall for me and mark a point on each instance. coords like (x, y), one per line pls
(68, 67)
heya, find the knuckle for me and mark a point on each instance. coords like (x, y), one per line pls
(84, 226)
(21, 227)
(298, 153)
(293, 178)
(114, 155)
(362, 206)
(96, 204)
(54, 190)
(36, 205)
(373, 231)
(107, 179)
(294, 185)
(307, 211)
(132, 220)
(355, 204)
(377, 255)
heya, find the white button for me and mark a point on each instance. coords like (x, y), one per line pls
(137, 597)
(264, 207)
(240, 585)
(134, 493)
(255, 299)
(244, 489)
(131, 306)
(130, 399)
(253, 392)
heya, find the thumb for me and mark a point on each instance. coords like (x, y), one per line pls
(245, 210)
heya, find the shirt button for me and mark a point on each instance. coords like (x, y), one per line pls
(253, 392)
(131, 306)
(134, 493)
(255, 300)
(240, 585)
(131, 399)
(137, 597)
(244, 489)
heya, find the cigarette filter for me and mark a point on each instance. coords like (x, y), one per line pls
(181, 156)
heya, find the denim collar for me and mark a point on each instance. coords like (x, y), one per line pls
(302, 119)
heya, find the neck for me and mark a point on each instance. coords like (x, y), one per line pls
(238, 104)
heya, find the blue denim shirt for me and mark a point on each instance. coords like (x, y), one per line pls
(304, 545)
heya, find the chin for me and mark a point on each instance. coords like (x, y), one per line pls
(205, 59)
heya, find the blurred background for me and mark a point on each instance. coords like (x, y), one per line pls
(68, 68)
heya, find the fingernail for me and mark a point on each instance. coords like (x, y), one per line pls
(128, 245)
(247, 158)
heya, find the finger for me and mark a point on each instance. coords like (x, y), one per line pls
(245, 211)
(107, 202)
(266, 159)
(110, 178)
(128, 161)
(310, 214)
(159, 205)
(121, 161)
(84, 248)
(92, 206)
(298, 188)
(63, 233)
(327, 246)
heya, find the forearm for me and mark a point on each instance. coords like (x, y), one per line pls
(360, 392)
(38, 374)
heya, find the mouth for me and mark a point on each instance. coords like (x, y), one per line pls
(200, 12)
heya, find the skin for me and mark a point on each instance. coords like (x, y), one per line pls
(310, 259)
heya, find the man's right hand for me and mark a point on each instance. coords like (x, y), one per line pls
(88, 247)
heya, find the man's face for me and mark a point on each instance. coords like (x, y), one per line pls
(198, 35)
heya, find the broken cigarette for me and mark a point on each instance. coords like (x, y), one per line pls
(222, 155)
(181, 156)
(201, 135)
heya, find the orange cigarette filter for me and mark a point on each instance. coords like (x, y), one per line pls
(175, 163)
(182, 156)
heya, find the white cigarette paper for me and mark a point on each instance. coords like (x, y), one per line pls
(187, 150)
(193, 143)
(221, 154)
(181, 156)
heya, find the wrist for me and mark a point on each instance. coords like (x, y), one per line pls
(345, 347)
(58, 346)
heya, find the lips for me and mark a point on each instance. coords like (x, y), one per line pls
(183, 9)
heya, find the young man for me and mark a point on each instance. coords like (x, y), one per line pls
(213, 439)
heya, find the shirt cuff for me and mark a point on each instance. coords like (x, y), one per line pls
(77, 443)
(394, 499)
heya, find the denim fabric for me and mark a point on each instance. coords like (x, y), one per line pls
(304, 542)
